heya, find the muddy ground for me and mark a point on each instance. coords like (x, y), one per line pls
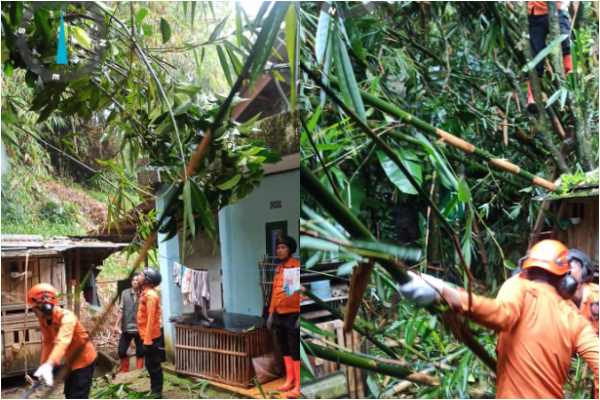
(175, 387)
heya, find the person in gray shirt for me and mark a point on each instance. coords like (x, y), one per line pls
(127, 320)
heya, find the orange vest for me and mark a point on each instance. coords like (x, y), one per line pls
(539, 7)
(66, 337)
(589, 304)
(280, 301)
(149, 315)
(538, 333)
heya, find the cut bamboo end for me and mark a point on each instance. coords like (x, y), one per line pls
(506, 165)
(544, 183)
(455, 142)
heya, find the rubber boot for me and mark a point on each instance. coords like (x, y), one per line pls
(139, 362)
(531, 104)
(295, 394)
(289, 375)
(568, 64)
(124, 365)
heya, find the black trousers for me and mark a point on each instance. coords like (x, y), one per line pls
(79, 382)
(152, 357)
(538, 31)
(288, 336)
(124, 342)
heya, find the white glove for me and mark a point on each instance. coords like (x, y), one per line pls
(270, 321)
(422, 289)
(564, 5)
(44, 372)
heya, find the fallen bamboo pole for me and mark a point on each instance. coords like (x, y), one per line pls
(454, 141)
(471, 164)
(352, 360)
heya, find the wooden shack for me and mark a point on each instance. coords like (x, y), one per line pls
(575, 216)
(27, 261)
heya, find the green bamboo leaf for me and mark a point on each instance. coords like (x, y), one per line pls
(354, 37)
(322, 35)
(542, 54)
(267, 36)
(291, 23)
(9, 35)
(348, 84)
(310, 326)
(304, 357)
(215, 35)
(238, 24)
(187, 206)
(225, 65)
(396, 176)
(16, 12)
(81, 36)
(193, 13)
(142, 12)
(165, 30)
(464, 193)
(230, 183)
(554, 97)
(198, 66)
(40, 19)
(202, 206)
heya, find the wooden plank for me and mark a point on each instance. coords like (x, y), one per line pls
(360, 392)
(77, 306)
(45, 267)
(351, 370)
(69, 276)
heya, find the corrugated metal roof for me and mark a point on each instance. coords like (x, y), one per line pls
(57, 244)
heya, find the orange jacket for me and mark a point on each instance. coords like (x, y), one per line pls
(280, 301)
(149, 315)
(538, 333)
(589, 304)
(539, 7)
(66, 337)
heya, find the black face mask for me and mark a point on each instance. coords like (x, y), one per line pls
(567, 287)
(46, 309)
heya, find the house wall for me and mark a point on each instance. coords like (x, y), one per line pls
(243, 238)
(206, 255)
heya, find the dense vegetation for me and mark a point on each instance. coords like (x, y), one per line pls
(410, 115)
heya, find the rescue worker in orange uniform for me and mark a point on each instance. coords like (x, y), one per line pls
(284, 314)
(538, 327)
(148, 321)
(62, 336)
(538, 31)
(586, 296)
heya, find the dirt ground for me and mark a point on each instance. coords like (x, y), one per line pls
(175, 387)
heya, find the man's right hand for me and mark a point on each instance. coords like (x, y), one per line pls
(116, 331)
(44, 373)
(422, 289)
(270, 321)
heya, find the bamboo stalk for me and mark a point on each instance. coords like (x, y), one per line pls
(393, 370)
(454, 141)
(471, 164)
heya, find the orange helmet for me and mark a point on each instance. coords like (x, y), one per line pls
(550, 255)
(42, 293)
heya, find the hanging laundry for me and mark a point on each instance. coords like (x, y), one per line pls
(200, 295)
(177, 273)
(186, 285)
(200, 288)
